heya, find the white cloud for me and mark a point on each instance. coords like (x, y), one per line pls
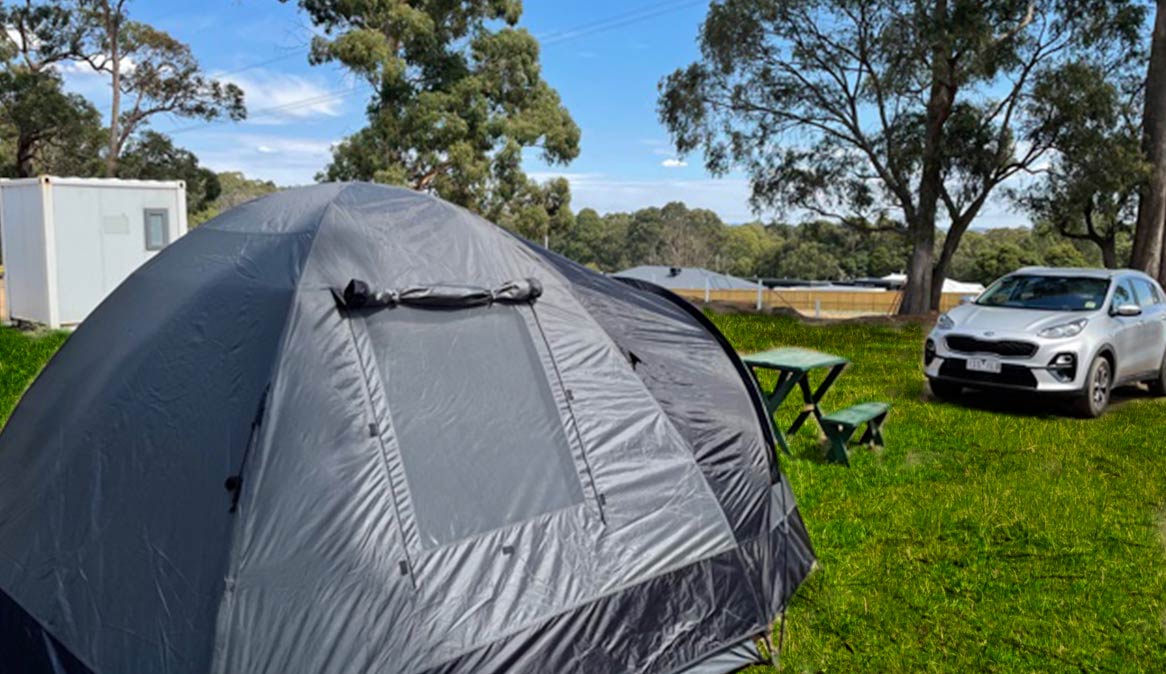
(673, 162)
(265, 149)
(276, 97)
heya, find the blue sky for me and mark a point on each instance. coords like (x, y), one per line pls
(605, 57)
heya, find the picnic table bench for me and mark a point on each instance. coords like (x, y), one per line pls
(841, 426)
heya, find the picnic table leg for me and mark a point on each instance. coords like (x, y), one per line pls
(813, 398)
(785, 383)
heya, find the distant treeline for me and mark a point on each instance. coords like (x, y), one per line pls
(818, 250)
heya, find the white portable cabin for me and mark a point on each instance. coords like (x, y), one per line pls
(68, 242)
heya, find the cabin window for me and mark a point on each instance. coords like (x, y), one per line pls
(157, 228)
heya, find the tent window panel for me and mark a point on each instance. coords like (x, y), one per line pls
(477, 425)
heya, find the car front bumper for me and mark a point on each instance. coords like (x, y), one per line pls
(1045, 371)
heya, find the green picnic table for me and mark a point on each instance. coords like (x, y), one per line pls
(793, 366)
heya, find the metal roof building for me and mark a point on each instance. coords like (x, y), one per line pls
(685, 278)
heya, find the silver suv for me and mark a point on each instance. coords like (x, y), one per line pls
(1072, 332)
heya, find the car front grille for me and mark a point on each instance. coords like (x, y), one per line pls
(1010, 375)
(1006, 348)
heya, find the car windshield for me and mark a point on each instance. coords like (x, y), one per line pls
(1051, 293)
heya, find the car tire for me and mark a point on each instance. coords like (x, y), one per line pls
(1158, 384)
(1094, 397)
(945, 390)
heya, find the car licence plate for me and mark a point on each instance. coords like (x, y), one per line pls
(984, 365)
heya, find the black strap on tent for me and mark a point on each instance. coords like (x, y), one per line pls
(360, 295)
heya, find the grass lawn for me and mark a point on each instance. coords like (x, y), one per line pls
(22, 355)
(989, 536)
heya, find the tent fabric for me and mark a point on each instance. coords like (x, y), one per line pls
(227, 470)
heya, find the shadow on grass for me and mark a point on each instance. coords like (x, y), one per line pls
(1026, 404)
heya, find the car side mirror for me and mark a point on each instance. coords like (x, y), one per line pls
(1127, 310)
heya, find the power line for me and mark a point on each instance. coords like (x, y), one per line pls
(619, 21)
(547, 38)
(335, 94)
(556, 37)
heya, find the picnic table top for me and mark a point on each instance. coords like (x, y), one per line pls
(793, 358)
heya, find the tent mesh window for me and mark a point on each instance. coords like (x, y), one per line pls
(437, 384)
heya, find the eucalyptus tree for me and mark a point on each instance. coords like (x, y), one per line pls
(43, 128)
(1090, 189)
(458, 96)
(882, 111)
(157, 73)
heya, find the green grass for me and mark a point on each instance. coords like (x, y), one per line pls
(990, 536)
(994, 535)
(22, 355)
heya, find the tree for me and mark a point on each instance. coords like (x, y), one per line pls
(597, 241)
(159, 73)
(745, 249)
(39, 35)
(45, 129)
(886, 109)
(238, 189)
(1090, 190)
(804, 259)
(153, 156)
(459, 95)
(1148, 250)
(235, 189)
(535, 211)
(48, 130)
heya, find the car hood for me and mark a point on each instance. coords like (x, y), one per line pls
(976, 318)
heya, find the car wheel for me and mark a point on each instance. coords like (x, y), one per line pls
(945, 390)
(1158, 384)
(1094, 398)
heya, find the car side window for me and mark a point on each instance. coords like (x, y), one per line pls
(1148, 295)
(1122, 294)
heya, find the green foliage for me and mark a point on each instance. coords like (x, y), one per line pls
(44, 129)
(234, 189)
(153, 156)
(1090, 190)
(459, 96)
(985, 256)
(39, 34)
(993, 536)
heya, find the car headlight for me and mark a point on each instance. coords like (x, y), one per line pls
(945, 322)
(1064, 330)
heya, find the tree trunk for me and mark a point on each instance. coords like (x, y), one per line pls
(917, 292)
(113, 26)
(1147, 252)
(25, 151)
(1108, 248)
(917, 295)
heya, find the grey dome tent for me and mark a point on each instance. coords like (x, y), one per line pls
(350, 428)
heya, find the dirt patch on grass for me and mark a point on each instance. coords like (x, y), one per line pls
(1162, 527)
(722, 307)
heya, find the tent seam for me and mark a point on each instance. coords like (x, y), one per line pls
(224, 617)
